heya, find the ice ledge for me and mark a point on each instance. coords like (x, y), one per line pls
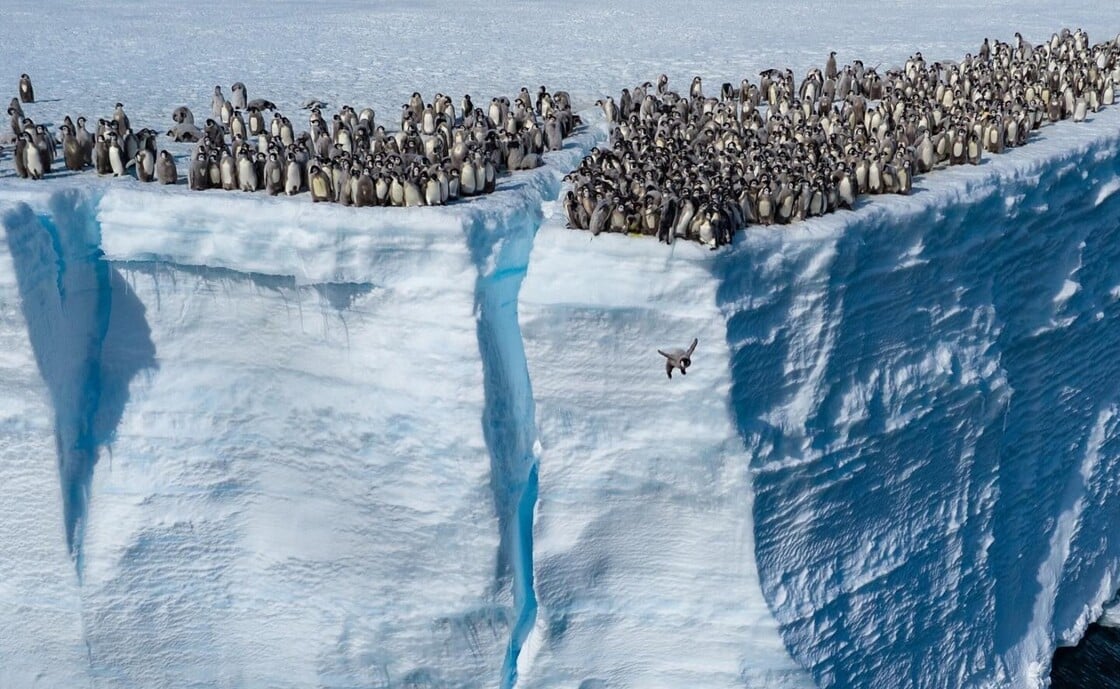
(312, 243)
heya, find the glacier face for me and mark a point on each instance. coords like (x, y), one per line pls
(304, 446)
(326, 473)
(261, 518)
(927, 394)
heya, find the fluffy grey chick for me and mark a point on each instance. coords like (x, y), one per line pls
(678, 358)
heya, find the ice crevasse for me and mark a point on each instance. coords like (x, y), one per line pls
(255, 442)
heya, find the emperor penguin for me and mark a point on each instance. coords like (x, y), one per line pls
(217, 102)
(214, 170)
(678, 358)
(145, 165)
(117, 161)
(696, 90)
(600, 217)
(16, 121)
(413, 196)
(319, 184)
(239, 97)
(382, 190)
(293, 177)
(429, 188)
(26, 91)
(468, 181)
(765, 207)
(246, 172)
(72, 152)
(198, 175)
(905, 176)
(121, 118)
(32, 157)
(830, 71)
(453, 185)
(273, 175)
(256, 121)
(47, 148)
(1080, 109)
(364, 191)
(185, 132)
(182, 115)
(609, 109)
(101, 155)
(226, 113)
(228, 167)
(975, 148)
(165, 169)
(236, 125)
(573, 211)
(23, 141)
(489, 176)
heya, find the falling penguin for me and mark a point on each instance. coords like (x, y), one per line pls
(678, 358)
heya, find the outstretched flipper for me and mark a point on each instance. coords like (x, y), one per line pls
(678, 358)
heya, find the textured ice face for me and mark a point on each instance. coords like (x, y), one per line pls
(926, 391)
(320, 458)
(310, 445)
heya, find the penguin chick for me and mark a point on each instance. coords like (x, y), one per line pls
(678, 358)
(26, 90)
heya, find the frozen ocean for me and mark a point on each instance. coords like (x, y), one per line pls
(250, 442)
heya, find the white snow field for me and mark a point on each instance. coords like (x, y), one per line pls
(304, 446)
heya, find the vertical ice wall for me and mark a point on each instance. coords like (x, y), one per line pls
(927, 390)
(281, 503)
(643, 539)
(315, 443)
(40, 620)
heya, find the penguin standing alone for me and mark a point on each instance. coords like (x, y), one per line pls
(26, 91)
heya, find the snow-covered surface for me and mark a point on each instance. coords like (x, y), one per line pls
(346, 447)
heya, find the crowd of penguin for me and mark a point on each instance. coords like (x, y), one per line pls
(699, 168)
(677, 166)
(435, 156)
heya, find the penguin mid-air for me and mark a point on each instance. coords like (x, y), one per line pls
(679, 358)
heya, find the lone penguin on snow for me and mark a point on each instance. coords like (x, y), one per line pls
(678, 358)
(26, 90)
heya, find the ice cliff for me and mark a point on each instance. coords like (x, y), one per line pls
(251, 442)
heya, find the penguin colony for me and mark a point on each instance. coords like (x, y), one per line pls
(434, 157)
(700, 168)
